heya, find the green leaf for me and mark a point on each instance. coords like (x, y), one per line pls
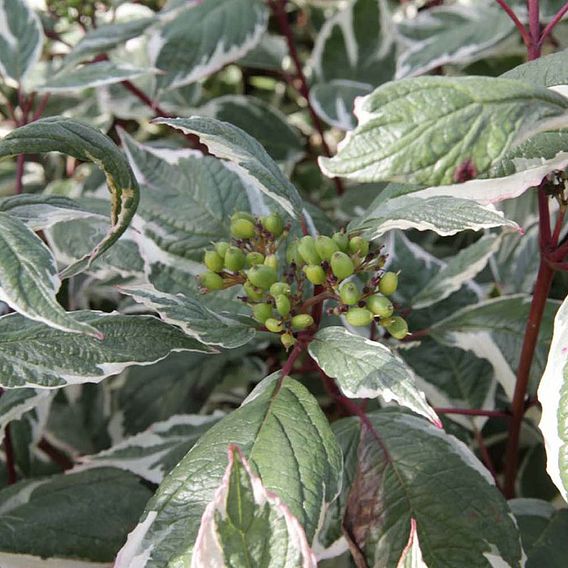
(106, 37)
(412, 475)
(154, 453)
(367, 369)
(494, 330)
(548, 71)
(444, 215)
(204, 37)
(553, 396)
(193, 315)
(247, 525)
(438, 130)
(92, 75)
(32, 354)
(21, 39)
(28, 278)
(461, 268)
(543, 531)
(261, 121)
(246, 155)
(268, 53)
(459, 33)
(287, 439)
(84, 515)
(15, 403)
(59, 134)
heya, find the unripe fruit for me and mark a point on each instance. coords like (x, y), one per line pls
(252, 292)
(326, 246)
(234, 259)
(272, 261)
(283, 305)
(288, 340)
(211, 281)
(213, 261)
(222, 247)
(388, 283)
(359, 317)
(292, 254)
(398, 328)
(350, 293)
(380, 306)
(274, 224)
(254, 258)
(242, 215)
(307, 250)
(243, 229)
(315, 274)
(279, 288)
(273, 325)
(342, 241)
(341, 265)
(262, 276)
(262, 312)
(302, 321)
(359, 246)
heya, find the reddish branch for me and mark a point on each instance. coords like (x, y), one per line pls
(522, 30)
(552, 24)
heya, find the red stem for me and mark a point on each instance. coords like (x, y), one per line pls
(20, 162)
(472, 412)
(279, 10)
(534, 48)
(553, 23)
(287, 368)
(485, 455)
(522, 30)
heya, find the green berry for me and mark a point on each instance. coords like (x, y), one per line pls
(292, 254)
(213, 261)
(222, 247)
(274, 224)
(279, 288)
(273, 325)
(359, 246)
(398, 328)
(315, 274)
(234, 259)
(359, 317)
(326, 246)
(283, 305)
(262, 276)
(288, 340)
(388, 283)
(262, 312)
(272, 261)
(342, 241)
(211, 281)
(307, 250)
(380, 306)
(350, 293)
(243, 229)
(302, 321)
(254, 258)
(253, 293)
(341, 265)
(242, 215)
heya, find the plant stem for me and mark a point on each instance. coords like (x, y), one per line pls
(534, 47)
(540, 295)
(9, 454)
(279, 10)
(472, 412)
(522, 30)
(553, 23)
(296, 351)
(20, 162)
(485, 455)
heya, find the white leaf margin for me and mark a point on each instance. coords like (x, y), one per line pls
(549, 395)
(208, 553)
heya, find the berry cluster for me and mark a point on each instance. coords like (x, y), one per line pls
(332, 264)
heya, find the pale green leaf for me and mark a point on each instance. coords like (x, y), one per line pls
(204, 37)
(247, 525)
(548, 71)
(368, 369)
(34, 355)
(84, 515)
(15, 403)
(268, 53)
(287, 439)
(246, 156)
(193, 315)
(29, 280)
(439, 130)
(59, 134)
(553, 396)
(21, 39)
(92, 75)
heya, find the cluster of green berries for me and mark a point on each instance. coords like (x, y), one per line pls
(275, 293)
